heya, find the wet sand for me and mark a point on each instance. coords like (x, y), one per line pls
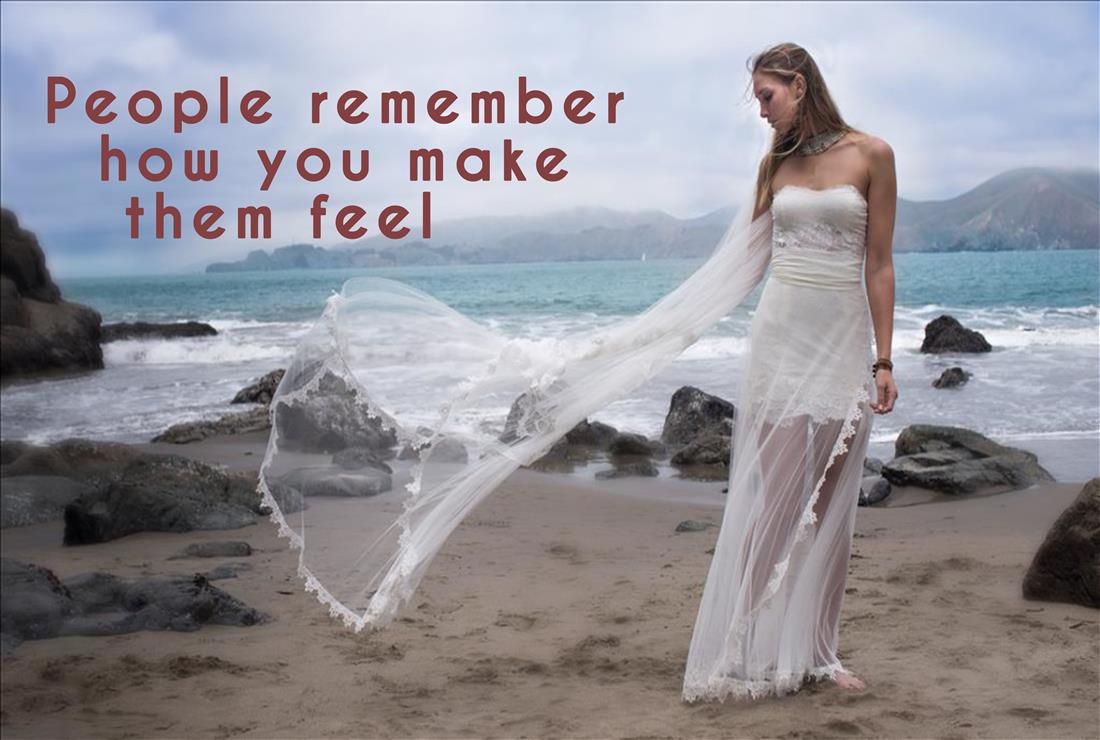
(564, 607)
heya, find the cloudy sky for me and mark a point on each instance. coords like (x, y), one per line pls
(960, 91)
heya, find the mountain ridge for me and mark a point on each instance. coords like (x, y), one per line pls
(1026, 208)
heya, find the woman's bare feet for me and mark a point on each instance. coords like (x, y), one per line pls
(849, 681)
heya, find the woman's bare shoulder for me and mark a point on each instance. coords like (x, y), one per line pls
(872, 147)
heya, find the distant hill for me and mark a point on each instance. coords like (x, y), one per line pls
(1027, 208)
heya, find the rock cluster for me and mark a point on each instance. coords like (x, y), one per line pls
(35, 604)
(38, 330)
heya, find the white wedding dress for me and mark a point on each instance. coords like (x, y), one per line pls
(771, 604)
(389, 367)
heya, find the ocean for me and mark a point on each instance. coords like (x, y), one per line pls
(1039, 389)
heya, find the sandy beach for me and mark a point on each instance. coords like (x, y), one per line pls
(564, 607)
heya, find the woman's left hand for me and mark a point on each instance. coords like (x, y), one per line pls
(887, 392)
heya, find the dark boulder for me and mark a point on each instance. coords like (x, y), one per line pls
(946, 334)
(524, 419)
(710, 448)
(955, 460)
(331, 480)
(628, 468)
(873, 489)
(33, 601)
(693, 413)
(88, 461)
(354, 458)
(594, 434)
(162, 493)
(329, 417)
(1066, 567)
(36, 605)
(145, 330)
(253, 420)
(39, 331)
(952, 377)
(630, 443)
(262, 391)
(220, 549)
(32, 499)
(442, 449)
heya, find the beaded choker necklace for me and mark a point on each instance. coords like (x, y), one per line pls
(818, 143)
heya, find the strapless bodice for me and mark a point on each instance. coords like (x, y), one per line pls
(819, 236)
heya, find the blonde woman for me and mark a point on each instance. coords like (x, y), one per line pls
(771, 604)
(389, 365)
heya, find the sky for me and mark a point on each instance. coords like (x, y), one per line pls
(960, 91)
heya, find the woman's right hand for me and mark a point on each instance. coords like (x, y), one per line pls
(887, 391)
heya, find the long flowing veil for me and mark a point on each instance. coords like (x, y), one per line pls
(398, 414)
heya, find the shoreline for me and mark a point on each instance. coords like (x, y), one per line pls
(933, 620)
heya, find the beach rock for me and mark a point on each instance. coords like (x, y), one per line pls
(710, 448)
(222, 549)
(262, 390)
(628, 468)
(558, 459)
(629, 443)
(38, 330)
(23, 262)
(333, 481)
(33, 601)
(522, 421)
(88, 461)
(593, 434)
(289, 500)
(443, 449)
(873, 489)
(952, 377)
(146, 330)
(162, 493)
(1066, 567)
(329, 418)
(872, 465)
(955, 460)
(31, 499)
(107, 605)
(691, 525)
(584, 442)
(946, 334)
(12, 310)
(253, 420)
(354, 458)
(693, 413)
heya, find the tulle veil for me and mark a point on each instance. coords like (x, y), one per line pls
(398, 415)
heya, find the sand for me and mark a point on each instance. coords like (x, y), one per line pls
(564, 607)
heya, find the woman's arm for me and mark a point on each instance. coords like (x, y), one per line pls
(882, 201)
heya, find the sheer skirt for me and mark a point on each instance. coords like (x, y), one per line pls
(770, 610)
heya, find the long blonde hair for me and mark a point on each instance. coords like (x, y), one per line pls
(815, 110)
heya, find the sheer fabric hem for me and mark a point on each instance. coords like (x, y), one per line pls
(383, 608)
(779, 572)
(779, 683)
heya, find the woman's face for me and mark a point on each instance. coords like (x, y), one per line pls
(776, 98)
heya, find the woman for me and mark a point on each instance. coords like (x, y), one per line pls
(389, 365)
(771, 604)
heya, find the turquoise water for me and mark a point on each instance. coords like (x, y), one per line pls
(1053, 279)
(1039, 389)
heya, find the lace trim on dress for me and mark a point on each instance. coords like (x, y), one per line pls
(384, 601)
(716, 686)
(723, 687)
